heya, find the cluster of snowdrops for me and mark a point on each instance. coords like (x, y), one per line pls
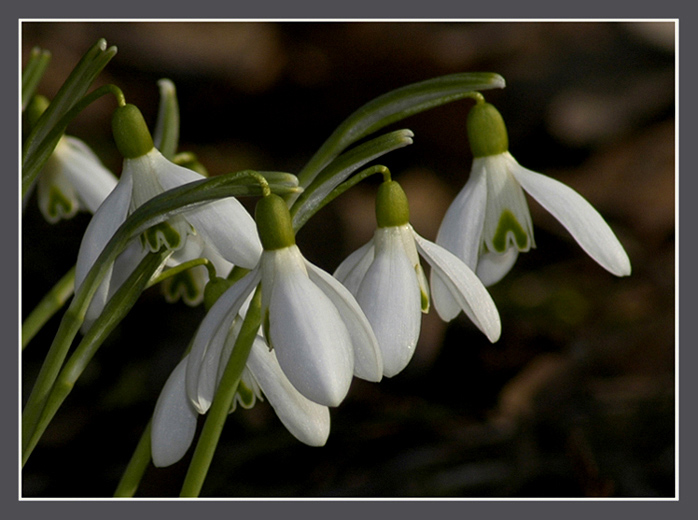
(277, 327)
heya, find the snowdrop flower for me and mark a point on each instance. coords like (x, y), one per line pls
(489, 222)
(389, 283)
(222, 229)
(73, 177)
(314, 325)
(175, 416)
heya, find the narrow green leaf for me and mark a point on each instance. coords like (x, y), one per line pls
(33, 72)
(72, 91)
(394, 106)
(116, 309)
(310, 201)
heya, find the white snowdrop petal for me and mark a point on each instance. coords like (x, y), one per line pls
(92, 181)
(312, 342)
(308, 421)
(461, 229)
(110, 215)
(446, 306)
(461, 233)
(368, 362)
(214, 328)
(389, 296)
(102, 227)
(225, 224)
(579, 217)
(174, 420)
(492, 267)
(352, 270)
(465, 287)
(508, 219)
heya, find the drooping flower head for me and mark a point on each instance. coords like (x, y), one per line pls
(389, 283)
(317, 330)
(175, 415)
(489, 222)
(73, 178)
(221, 230)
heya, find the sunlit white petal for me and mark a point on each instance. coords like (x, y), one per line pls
(461, 229)
(390, 297)
(368, 362)
(579, 217)
(312, 342)
(508, 219)
(464, 287)
(461, 233)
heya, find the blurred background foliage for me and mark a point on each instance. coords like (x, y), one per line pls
(577, 397)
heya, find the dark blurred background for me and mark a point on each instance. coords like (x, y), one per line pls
(577, 397)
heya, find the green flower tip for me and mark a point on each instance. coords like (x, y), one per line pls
(274, 223)
(392, 209)
(131, 134)
(487, 132)
(36, 107)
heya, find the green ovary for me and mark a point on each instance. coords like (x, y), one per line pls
(509, 224)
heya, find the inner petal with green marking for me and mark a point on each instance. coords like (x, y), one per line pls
(161, 234)
(59, 204)
(184, 285)
(245, 396)
(509, 226)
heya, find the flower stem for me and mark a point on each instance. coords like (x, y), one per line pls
(136, 467)
(211, 432)
(48, 306)
(115, 310)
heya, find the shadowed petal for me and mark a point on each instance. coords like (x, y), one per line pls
(204, 357)
(174, 420)
(309, 422)
(92, 181)
(352, 270)
(110, 215)
(492, 267)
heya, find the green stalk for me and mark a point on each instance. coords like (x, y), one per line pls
(128, 485)
(48, 306)
(310, 201)
(222, 402)
(115, 310)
